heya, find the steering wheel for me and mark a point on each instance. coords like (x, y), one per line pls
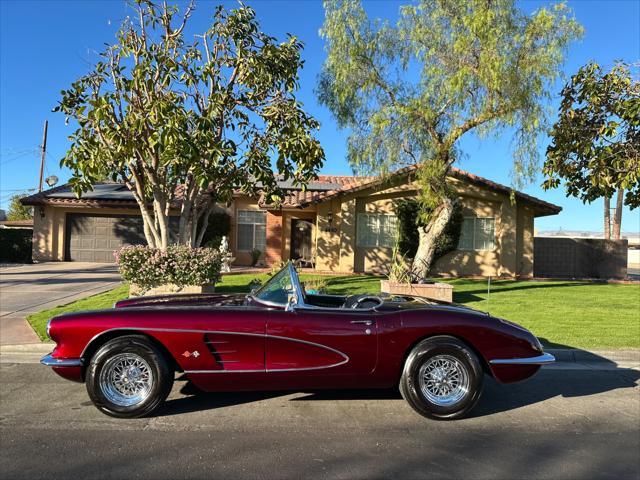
(362, 302)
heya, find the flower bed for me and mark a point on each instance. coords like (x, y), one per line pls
(177, 269)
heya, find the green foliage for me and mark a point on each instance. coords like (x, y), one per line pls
(219, 226)
(276, 267)
(179, 265)
(407, 211)
(316, 285)
(16, 245)
(209, 115)
(17, 211)
(595, 147)
(408, 91)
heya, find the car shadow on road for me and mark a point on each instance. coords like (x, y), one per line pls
(599, 376)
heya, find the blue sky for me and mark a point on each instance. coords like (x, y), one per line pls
(45, 45)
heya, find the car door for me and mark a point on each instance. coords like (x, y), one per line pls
(321, 341)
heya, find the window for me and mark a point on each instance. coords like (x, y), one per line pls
(252, 230)
(477, 234)
(376, 230)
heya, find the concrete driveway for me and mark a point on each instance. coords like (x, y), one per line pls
(25, 289)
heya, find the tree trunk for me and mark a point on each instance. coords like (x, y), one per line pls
(617, 215)
(607, 219)
(428, 236)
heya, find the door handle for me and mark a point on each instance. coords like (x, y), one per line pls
(364, 322)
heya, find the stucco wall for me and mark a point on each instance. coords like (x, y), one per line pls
(328, 236)
(511, 256)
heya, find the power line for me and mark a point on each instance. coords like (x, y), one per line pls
(13, 151)
(22, 155)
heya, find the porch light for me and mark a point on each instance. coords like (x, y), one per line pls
(41, 211)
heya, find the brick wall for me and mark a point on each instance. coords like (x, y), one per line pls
(579, 258)
(273, 251)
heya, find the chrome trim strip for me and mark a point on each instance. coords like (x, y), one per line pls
(50, 361)
(264, 335)
(224, 371)
(543, 359)
(274, 370)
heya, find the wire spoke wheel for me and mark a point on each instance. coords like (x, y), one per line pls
(443, 380)
(126, 379)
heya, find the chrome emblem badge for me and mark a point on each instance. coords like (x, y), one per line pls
(188, 354)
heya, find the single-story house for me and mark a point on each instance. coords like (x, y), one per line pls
(344, 223)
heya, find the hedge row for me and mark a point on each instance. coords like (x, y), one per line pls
(15, 245)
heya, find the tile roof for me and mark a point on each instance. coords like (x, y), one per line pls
(17, 223)
(326, 187)
(296, 197)
(363, 183)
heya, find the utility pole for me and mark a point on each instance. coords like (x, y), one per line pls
(43, 151)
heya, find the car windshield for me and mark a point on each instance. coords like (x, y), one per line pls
(278, 289)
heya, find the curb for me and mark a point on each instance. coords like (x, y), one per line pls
(571, 355)
(27, 348)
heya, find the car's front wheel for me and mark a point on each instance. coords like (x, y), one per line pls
(442, 378)
(128, 377)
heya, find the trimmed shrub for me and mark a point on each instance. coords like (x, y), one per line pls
(16, 245)
(178, 265)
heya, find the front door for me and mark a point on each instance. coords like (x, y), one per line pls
(322, 342)
(301, 233)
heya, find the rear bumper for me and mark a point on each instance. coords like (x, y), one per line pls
(543, 359)
(50, 361)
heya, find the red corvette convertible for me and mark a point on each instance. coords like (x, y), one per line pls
(281, 337)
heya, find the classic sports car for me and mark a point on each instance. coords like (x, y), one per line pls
(281, 337)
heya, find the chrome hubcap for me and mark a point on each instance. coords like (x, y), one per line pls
(126, 379)
(443, 380)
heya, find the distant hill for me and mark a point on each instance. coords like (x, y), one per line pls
(583, 234)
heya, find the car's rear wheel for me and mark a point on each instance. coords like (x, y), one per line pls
(442, 378)
(129, 377)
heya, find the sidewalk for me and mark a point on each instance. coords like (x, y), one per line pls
(26, 289)
(566, 359)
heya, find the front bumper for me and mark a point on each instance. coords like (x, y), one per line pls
(543, 359)
(50, 361)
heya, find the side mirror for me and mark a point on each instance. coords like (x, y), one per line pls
(291, 304)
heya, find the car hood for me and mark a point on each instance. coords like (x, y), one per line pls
(184, 300)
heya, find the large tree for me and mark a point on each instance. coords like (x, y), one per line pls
(17, 211)
(409, 91)
(185, 123)
(595, 148)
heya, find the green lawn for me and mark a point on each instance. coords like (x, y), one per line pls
(561, 313)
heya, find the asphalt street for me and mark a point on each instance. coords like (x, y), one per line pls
(560, 424)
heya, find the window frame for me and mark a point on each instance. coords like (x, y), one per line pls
(473, 240)
(359, 217)
(253, 229)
